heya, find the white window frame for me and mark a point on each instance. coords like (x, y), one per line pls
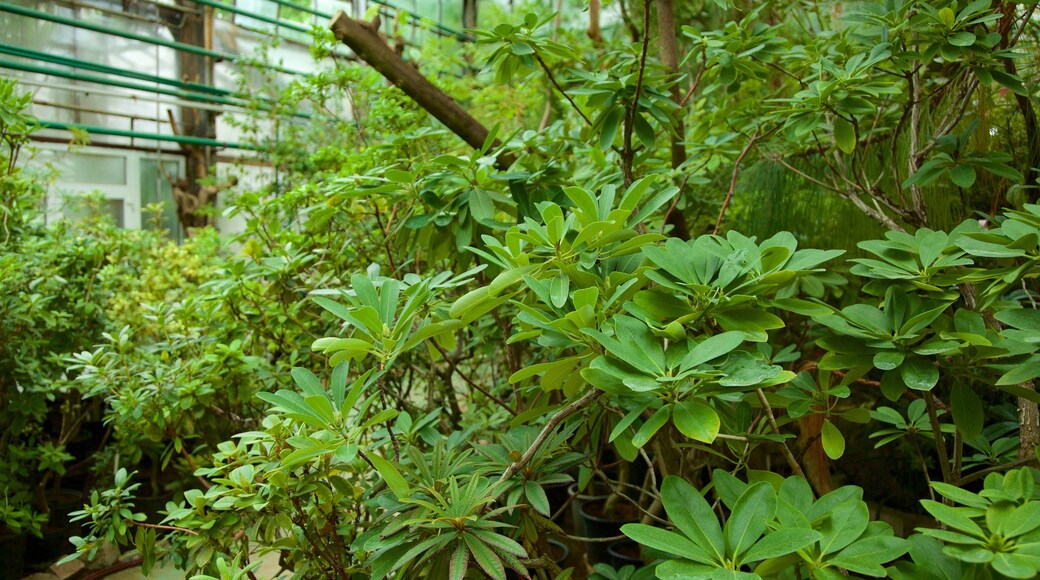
(129, 193)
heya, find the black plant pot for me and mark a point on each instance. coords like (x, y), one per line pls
(625, 553)
(557, 550)
(12, 555)
(596, 490)
(557, 493)
(58, 529)
(560, 553)
(600, 525)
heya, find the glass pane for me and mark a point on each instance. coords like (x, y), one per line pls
(156, 188)
(78, 207)
(90, 168)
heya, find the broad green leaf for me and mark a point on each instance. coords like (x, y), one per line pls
(696, 420)
(845, 523)
(867, 555)
(690, 512)
(712, 348)
(963, 175)
(750, 518)
(953, 517)
(307, 382)
(668, 542)
(887, 360)
(919, 373)
(781, 542)
(651, 427)
(393, 478)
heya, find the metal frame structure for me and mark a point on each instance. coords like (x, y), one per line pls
(101, 89)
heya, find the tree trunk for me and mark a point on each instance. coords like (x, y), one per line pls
(595, 33)
(670, 58)
(469, 13)
(189, 27)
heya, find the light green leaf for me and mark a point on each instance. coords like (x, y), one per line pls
(844, 135)
(833, 440)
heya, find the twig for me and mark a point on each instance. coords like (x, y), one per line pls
(791, 461)
(628, 154)
(454, 368)
(552, 79)
(733, 181)
(556, 419)
(696, 80)
(162, 527)
(984, 472)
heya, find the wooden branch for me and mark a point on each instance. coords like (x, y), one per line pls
(366, 43)
(556, 419)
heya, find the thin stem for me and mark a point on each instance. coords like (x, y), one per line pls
(628, 154)
(552, 79)
(454, 368)
(940, 444)
(733, 181)
(162, 527)
(791, 461)
(924, 466)
(996, 468)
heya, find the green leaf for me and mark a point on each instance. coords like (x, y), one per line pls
(844, 524)
(536, 497)
(393, 478)
(611, 122)
(956, 518)
(967, 411)
(1016, 565)
(690, 512)
(1021, 373)
(307, 382)
(962, 38)
(867, 555)
(963, 175)
(651, 427)
(781, 542)
(712, 348)
(668, 542)
(919, 373)
(459, 563)
(887, 360)
(844, 135)
(750, 518)
(485, 557)
(833, 440)
(696, 420)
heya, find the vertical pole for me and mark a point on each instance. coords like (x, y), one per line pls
(469, 13)
(193, 27)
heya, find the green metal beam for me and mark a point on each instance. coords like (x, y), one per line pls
(150, 136)
(104, 69)
(416, 20)
(30, 13)
(187, 95)
(236, 10)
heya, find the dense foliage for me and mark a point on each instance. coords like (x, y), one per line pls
(413, 347)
